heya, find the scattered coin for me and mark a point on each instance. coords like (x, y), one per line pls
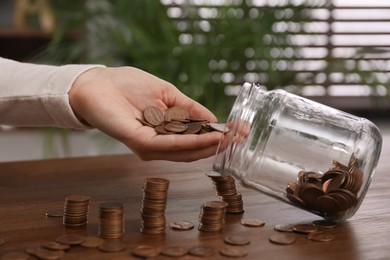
(181, 225)
(112, 246)
(31, 250)
(43, 253)
(55, 245)
(282, 239)
(15, 256)
(91, 242)
(233, 252)
(145, 251)
(70, 239)
(320, 237)
(203, 251)
(324, 223)
(305, 228)
(237, 240)
(252, 222)
(55, 213)
(174, 251)
(284, 228)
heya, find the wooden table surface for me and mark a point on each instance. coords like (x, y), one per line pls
(29, 189)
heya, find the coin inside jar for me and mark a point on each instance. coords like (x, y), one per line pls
(91, 242)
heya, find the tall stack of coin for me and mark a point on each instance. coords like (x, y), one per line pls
(332, 194)
(225, 187)
(153, 205)
(212, 216)
(111, 223)
(76, 211)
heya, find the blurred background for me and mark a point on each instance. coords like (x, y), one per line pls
(336, 52)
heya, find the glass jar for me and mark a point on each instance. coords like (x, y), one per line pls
(307, 154)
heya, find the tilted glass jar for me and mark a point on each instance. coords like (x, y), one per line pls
(307, 154)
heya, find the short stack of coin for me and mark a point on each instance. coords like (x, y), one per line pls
(225, 187)
(153, 205)
(111, 223)
(177, 120)
(212, 216)
(332, 194)
(76, 211)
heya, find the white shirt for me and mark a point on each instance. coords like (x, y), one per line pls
(37, 95)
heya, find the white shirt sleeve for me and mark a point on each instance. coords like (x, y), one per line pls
(37, 95)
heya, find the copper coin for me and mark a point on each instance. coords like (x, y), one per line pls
(284, 228)
(203, 251)
(176, 127)
(305, 228)
(143, 122)
(70, 239)
(233, 252)
(77, 198)
(220, 127)
(181, 225)
(153, 115)
(31, 250)
(320, 237)
(237, 241)
(177, 113)
(145, 251)
(112, 246)
(252, 222)
(55, 213)
(324, 223)
(2, 241)
(174, 251)
(43, 253)
(55, 246)
(161, 130)
(15, 256)
(91, 242)
(215, 204)
(193, 128)
(282, 239)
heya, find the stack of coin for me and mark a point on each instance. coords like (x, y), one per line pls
(225, 187)
(332, 194)
(76, 211)
(177, 120)
(153, 205)
(111, 223)
(212, 216)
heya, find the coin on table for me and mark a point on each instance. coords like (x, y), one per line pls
(91, 242)
(305, 228)
(203, 251)
(176, 112)
(174, 251)
(43, 253)
(320, 236)
(322, 223)
(237, 240)
(181, 225)
(55, 213)
(2, 241)
(284, 228)
(15, 256)
(282, 239)
(252, 222)
(112, 246)
(70, 239)
(55, 245)
(153, 115)
(145, 251)
(233, 252)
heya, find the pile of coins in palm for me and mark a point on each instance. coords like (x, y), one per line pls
(331, 194)
(212, 216)
(225, 187)
(153, 205)
(76, 211)
(177, 120)
(111, 224)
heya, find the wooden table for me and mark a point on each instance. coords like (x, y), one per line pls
(29, 189)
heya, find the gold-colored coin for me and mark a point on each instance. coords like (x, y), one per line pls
(237, 240)
(320, 237)
(252, 222)
(145, 251)
(282, 239)
(233, 252)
